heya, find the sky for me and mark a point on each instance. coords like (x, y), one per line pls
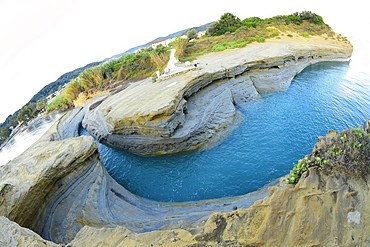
(42, 39)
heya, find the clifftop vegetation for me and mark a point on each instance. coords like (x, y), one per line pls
(348, 151)
(227, 33)
(231, 32)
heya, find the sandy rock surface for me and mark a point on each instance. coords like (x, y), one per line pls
(150, 118)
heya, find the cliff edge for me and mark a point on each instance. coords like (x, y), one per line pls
(58, 192)
(188, 109)
(327, 207)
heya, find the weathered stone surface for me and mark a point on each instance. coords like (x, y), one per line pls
(12, 235)
(58, 193)
(58, 186)
(157, 118)
(323, 209)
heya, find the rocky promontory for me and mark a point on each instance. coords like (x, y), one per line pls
(58, 192)
(195, 107)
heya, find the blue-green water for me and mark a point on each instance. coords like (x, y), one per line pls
(277, 131)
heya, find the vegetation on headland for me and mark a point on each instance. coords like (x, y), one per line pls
(128, 66)
(38, 102)
(231, 32)
(227, 33)
(348, 151)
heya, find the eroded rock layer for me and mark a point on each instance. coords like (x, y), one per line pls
(59, 191)
(169, 116)
(59, 185)
(328, 207)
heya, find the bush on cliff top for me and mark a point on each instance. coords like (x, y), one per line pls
(230, 23)
(349, 152)
(128, 66)
(227, 33)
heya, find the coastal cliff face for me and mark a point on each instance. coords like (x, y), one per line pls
(196, 107)
(84, 207)
(328, 207)
(58, 192)
(59, 185)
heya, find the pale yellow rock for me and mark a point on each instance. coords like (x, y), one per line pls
(326, 208)
(150, 118)
(120, 236)
(12, 235)
(59, 187)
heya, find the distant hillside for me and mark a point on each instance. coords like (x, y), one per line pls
(65, 78)
(179, 33)
(45, 91)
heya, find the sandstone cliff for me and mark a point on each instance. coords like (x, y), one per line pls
(58, 191)
(327, 207)
(190, 109)
(59, 185)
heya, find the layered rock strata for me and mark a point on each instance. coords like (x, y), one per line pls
(328, 206)
(190, 109)
(59, 185)
(321, 210)
(59, 191)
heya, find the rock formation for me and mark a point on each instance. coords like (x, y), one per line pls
(58, 192)
(327, 207)
(59, 185)
(190, 109)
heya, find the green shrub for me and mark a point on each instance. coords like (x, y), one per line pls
(294, 19)
(311, 17)
(59, 102)
(252, 22)
(349, 152)
(305, 35)
(180, 46)
(227, 23)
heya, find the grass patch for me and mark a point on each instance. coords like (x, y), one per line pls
(305, 35)
(228, 33)
(128, 66)
(349, 152)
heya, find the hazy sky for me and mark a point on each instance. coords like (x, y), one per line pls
(42, 39)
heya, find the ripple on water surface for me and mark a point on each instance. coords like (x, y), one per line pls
(276, 132)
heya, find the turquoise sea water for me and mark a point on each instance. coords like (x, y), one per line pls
(277, 131)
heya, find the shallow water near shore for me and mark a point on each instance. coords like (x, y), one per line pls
(24, 139)
(277, 131)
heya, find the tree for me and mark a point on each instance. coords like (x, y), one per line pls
(4, 134)
(227, 23)
(230, 22)
(13, 122)
(252, 22)
(41, 104)
(27, 113)
(192, 34)
(180, 46)
(311, 17)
